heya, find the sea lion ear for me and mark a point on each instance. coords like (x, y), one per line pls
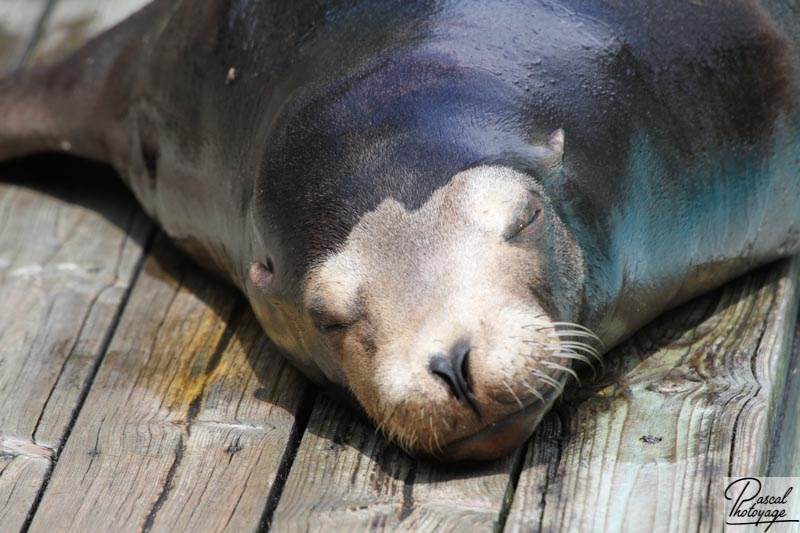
(556, 144)
(550, 155)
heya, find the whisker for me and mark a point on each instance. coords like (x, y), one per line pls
(575, 356)
(556, 366)
(539, 343)
(433, 432)
(533, 391)
(547, 379)
(582, 347)
(582, 328)
(391, 415)
(578, 342)
(537, 327)
(558, 390)
(574, 333)
(562, 352)
(521, 406)
(446, 423)
(579, 357)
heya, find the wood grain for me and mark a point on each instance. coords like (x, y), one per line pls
(65, 269)
(187, 422)
(69, 250)
(19, 21)
(346, 477)
(73, 22)
(785, 455)
(688, 400)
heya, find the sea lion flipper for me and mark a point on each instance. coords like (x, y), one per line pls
(78, 104)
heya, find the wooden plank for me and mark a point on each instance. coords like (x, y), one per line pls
(69, 250)
(73, 22)
(346, 478)
(66, 262)
(188, 420)
(18, 22)
(786, 453)
(688, 400)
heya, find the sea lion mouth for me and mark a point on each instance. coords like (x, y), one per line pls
(496, 440)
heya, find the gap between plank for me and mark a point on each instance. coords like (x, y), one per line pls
(36, 36)
(149, 238)
(292, 447)
(511, 489)
(787, 398)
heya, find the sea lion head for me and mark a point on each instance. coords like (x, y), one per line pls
(446, 320)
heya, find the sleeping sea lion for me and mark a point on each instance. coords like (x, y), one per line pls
(439, 208)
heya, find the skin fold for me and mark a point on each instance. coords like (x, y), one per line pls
(437, 209)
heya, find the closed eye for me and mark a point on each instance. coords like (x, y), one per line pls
(327, 320)
(327, 323)
(522, 224)
(534, 217)
(327, 329)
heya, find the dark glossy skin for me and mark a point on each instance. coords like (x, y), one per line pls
(681, 166)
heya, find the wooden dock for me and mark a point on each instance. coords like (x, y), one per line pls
(139, 394)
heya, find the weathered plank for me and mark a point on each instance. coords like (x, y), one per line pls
(67, 259)
(188, 420)
(66, 262)
(73, 22)
(786, 451)
(347, 478)
(690, 399)
(19, 21)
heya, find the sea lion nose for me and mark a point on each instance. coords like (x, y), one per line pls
(453, 369)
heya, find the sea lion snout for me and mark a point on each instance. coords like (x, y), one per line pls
(478, 399)
(437, 318)
(453, 369)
